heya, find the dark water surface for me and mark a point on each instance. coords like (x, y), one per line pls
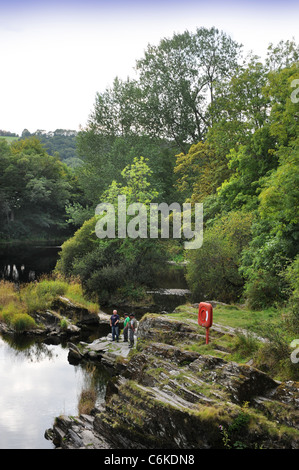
(37, 384)
(25, 263)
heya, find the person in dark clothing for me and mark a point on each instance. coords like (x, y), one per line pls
(114, 323)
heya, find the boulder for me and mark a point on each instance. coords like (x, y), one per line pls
(78, 314)
(74, 355)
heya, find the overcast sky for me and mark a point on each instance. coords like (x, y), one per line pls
(56, 54)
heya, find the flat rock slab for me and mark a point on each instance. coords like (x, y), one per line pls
(106, 347)
(97, 345)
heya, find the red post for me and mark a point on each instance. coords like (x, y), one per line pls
(207, 335)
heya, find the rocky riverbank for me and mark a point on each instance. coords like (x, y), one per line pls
(165, 395)
(64, 319)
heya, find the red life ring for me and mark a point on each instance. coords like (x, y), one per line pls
(205, 314)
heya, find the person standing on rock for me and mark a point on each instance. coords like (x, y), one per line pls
(114, 323)
(126, 327)
(132, 329)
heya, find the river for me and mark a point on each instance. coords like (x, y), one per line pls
(37, 383)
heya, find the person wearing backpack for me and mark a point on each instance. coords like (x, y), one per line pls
(132, 329)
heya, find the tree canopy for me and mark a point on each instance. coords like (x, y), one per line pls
(34, 189)
(199, 123)
(217, 128)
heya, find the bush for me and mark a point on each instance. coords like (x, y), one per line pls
(23, 322)
(10, 310)
(7, 293)
(75, 247)
(13, 314)
(246, 344)
(292, 278)
(63, 324)
(274, 357)
(87, 401)
(40, 296)
(263, 266)
(51, 287)
(263, 290)
(106, 265)
(7, 317)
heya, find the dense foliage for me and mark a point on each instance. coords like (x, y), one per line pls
(60, 143)
(215, 128)
(117, 267)
(34, 189)
(200, 124)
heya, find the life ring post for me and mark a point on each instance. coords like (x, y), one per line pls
(205, 317)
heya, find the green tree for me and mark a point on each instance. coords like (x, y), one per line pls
(34, 190)
(110, 267)
(275, 233)
(279, 198)
(282, 55)
(196, 171)
(157, 115)
(117, 110)
(213, 270)
(240, 113)
(178, 80)
(104, 158)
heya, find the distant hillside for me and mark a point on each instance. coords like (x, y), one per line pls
(61, 141)
(9, 136)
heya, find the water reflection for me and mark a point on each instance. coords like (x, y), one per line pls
(25, 347)
(21, 263)
(37, 384)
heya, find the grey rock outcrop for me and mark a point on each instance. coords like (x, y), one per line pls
(167, 396)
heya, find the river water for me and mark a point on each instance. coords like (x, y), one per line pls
(37, 384)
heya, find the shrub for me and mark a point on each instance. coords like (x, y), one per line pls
(10, 310)
(74, 248)
(7, 317)
(292, 278)
(263, 267)
(87, 401)
(13, 314)
(63, 324)
(263, 290)
(7, 293)
(51, 287)
(246, 344)
(236, 430)
(40, 296)
(23, 322)
(274, 356)
(34, 302)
